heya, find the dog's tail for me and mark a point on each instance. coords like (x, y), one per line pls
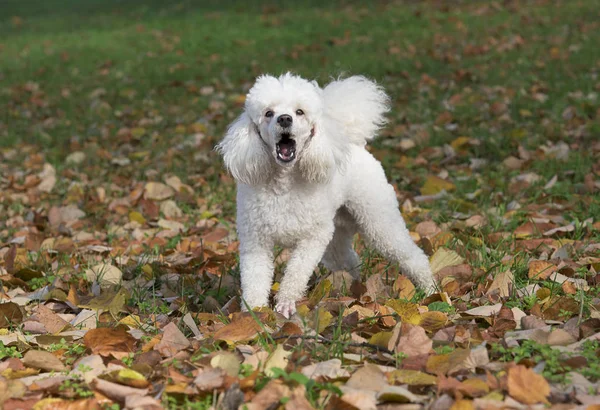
(357, 105)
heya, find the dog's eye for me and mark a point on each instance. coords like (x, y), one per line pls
(269, 114)
(299, 112)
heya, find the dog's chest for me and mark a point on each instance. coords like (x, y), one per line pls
(288, 217)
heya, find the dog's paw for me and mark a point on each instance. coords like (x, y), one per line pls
(286, 307)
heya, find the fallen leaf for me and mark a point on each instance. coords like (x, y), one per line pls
(412, 378)
(413, 341)
(157, 191)
(503, 282)
(444, 257)
(10, 314)
(105, 274)
(278, 359)
(541, 269)
(368, 377)
(244, 329)
(173, 340)
(209, 379)
(434, 184)
(527, 386)
(104, 341)
(40, 359)
(328, 370)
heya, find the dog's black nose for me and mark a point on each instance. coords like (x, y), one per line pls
(284, 120)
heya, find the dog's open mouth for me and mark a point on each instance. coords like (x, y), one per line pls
(286, 148)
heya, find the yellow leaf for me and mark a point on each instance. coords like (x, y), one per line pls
(525, 113)
(131, 321)
(138, 132)
(412, 378)
(322, 290)
(459, 143)
(444, 257)
(434, 185)
(474, 387)
(278, 359)
(381, 339)
(463, 405)
(131, 378)
(408, 312)
(322, 319)
(303, 310)
(135, 216)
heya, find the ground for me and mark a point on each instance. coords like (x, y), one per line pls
(117, 232)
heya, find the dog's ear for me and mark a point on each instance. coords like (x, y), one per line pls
(244, 153)
(318, 159)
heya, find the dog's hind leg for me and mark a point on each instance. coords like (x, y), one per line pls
(374, 206)
(340, 254)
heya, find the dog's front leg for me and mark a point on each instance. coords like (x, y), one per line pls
(256, 271)
(305, 257)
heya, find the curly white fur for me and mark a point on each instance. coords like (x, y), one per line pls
(317, 197)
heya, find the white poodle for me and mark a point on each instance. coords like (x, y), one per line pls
(305, 181)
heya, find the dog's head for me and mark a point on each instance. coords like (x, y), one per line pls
(291, 124)
(280, 128)
(285, 112)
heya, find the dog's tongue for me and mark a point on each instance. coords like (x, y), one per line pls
(285, 149)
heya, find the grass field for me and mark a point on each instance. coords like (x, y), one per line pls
(113, 204)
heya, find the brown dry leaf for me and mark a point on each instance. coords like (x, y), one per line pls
(104, 341)
(541, 269)
(427, 228)
(569, 287)
(209, 379)
(40, 359)
(413, 341)
(271, 395)
(404, 288)
(354, 399)
(173, 340)
(433, 321)
(298, 400)
(527, 386)
(376, 289)
(243, 329)
(51, 321)
(369, 377)
(116, 391)
(449, 363)
(503, 282)
(10, 314)
(560, 308)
